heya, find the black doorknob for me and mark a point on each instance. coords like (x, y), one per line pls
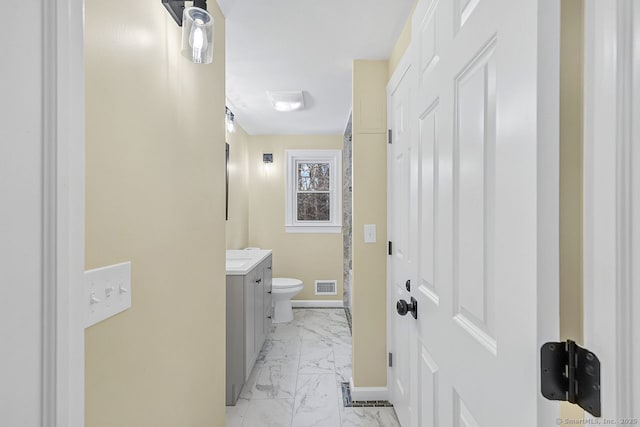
(403, 307)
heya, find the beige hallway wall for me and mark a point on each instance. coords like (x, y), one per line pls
(571, 169)
(155, 196)
(369, 207)
(403, 42)
(571, 178)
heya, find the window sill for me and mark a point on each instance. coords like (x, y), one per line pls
(327, 229)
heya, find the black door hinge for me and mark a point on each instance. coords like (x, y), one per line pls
(571, 373)
(390, 248)
(390, 139)
(390, 359)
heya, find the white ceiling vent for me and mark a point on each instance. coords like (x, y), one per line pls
(286, 100)
(326, 287)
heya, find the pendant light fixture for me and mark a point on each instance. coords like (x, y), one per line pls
(197, 29)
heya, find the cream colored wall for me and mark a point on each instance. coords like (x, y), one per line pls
(308, 257)
(571, 169)
(238, 222)
(403, 42)
(155, 196)
(369, 207)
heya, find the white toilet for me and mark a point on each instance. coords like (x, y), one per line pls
(282, 290)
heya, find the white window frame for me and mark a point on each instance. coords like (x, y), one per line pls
(334, 158)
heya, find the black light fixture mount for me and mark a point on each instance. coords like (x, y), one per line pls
(176, 8)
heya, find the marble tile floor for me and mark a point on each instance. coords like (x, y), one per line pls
(296, 381)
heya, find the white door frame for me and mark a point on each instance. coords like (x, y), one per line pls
(63, 211)
(400, 72)
(612, 201)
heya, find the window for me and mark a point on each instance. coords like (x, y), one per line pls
(314, 196)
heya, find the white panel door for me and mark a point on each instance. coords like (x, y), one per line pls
(401, 217)
(484, 120)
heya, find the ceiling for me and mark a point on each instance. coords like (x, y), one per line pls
(306, 45)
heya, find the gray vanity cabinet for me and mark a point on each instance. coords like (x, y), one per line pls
(249, 311)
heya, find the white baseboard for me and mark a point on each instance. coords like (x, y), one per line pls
(368, 393)
(300, 303)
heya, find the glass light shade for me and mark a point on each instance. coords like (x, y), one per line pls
(197, 35)
(230, 126)
(229, 119)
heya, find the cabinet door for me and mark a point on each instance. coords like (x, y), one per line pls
(236, 329)
(268, 305)
(259, 311)
(249, 321)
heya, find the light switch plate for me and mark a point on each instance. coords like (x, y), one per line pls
(108, 292)
(369, 233)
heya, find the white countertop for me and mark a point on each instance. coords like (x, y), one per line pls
(242, 261)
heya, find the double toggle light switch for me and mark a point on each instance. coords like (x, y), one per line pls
(108, 291)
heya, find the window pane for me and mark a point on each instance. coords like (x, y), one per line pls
(313, 176)
(313, 207)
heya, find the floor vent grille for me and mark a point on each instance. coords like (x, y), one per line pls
(326, 287)
(348, 403)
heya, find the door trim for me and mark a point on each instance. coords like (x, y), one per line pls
(398, 74)
(548, 252)
(610, 196)
(63, 213)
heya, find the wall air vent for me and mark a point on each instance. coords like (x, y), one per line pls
(326, 287)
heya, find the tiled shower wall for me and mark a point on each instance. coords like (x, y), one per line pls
(347, 216)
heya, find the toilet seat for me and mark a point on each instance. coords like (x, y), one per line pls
(284, 283)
